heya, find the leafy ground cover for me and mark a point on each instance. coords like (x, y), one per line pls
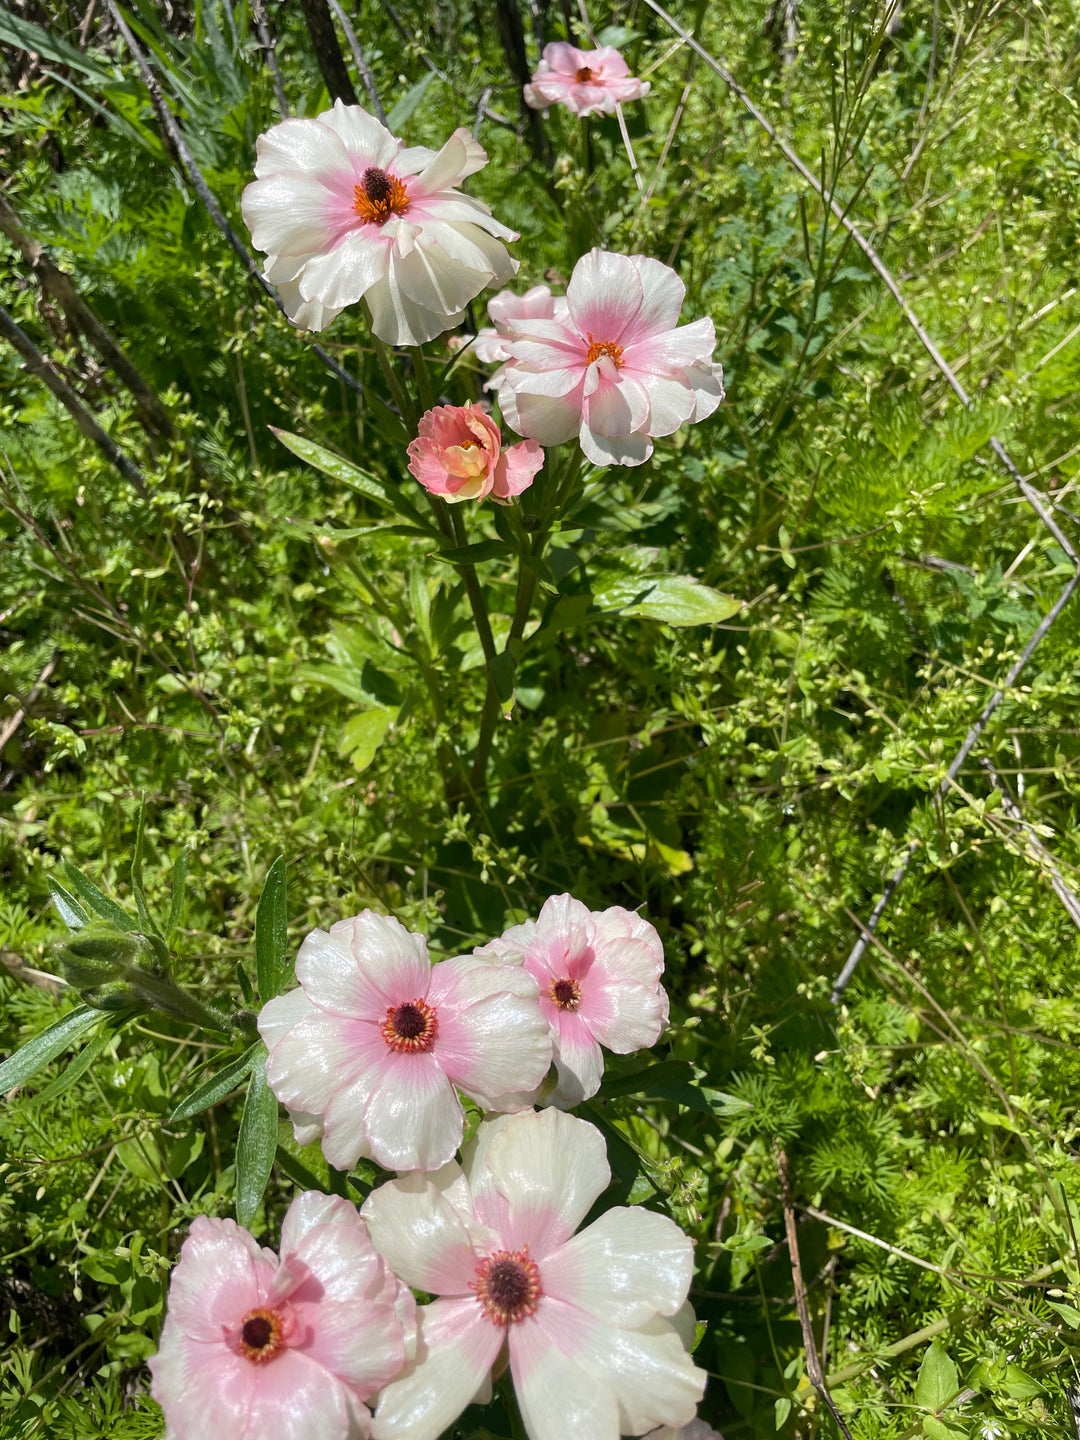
(203, 645)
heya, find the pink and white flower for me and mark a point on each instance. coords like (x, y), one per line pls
(253, 1346)
(583, 1319)
(587, 82)
(345, 213)
(617, 370)
(599, 978)
(369, 1053)
(458, 454)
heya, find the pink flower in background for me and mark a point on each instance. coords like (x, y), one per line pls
(583, 1318)
(458, 454)
(490, 345)
(617, 369)
(585, 81)
(696, 1430)
(599, 978)
(345, 213)
(368, 1052)
(256, 1347)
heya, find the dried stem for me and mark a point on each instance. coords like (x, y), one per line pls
(363, 69)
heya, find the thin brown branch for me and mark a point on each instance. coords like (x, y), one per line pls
(813, 1361)
(324, 42)
(11, 726)
(363, 69)
(268, 45)
(1034, 845)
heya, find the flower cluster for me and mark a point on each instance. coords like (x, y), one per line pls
(369, 1055)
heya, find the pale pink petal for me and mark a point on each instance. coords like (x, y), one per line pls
(696, 1430)
(307, 1128)
(558, 1397)
(516, 469)
(624, 1268)
(362, 1346)
(412, 159)
(413, 1118)
(371, 963)
(456, 1348)
(311, 1208)
(614, 449)
(346, 273)
(492, 1037)
(421, 1235)
(319, 1056)
(605, 295)
(304, 145)
(707, 383)
(625, 1017)
(344, 1138)
(548, 419)
(333, 1262)
(671, 403)
(367, 142)
(459, 157)
(561, 56)
(278, 1016)
(663, 294)
(467, 247)
(578, 1060)
(506, 308)
(400, 321)
(223, 1273)
(292, 1398)
(671, 351)
(550, 1167)
(619, 406)
(304, 314)
(291, 214)
(653, 1379)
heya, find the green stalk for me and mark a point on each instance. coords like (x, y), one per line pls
(401, 399)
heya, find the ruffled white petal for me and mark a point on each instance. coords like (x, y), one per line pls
(345, 274)
(289, 214)
(459, 157)
(367, 142)
(304, 145)
(413, 1119)
(422, 1236)
(558, 1397)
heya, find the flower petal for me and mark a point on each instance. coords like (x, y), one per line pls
(456, 1348)
(550, 1167)
(624, 1268)
(363, 1345)
(617, 407)
(304, 145)
(459, 157)
(291, 214)
(363, 966)
(492, 1037)
(319, 1056)
(663, 295)
(223, 1272)
(367, 142)
(413, 1118)
(346, 273)
(517, 468)
(604, 295)
(558, 1397)
(614, 449)
(421, 1235)
(578, 1060)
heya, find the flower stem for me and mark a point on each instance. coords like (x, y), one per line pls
(423, 379)
(405, 405)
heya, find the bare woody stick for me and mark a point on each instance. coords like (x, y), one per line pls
(1031, 495)
(1034, 845)
(269, 48)
(363, 69)
(37, 364)
(324, 41)
(179, 147)
(813, 1360)
(59, 286)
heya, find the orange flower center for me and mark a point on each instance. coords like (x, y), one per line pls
(565, 993)
(583, 76)
(379, 195)
(260, 1336)
(605, 347)
(507, 1285)
(411, 1028)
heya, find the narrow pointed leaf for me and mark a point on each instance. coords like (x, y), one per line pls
(256, 1144)
(97, 900)
(36, 1053)
(218, 1086)
(272, 968)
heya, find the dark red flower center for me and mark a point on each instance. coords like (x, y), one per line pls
(565, 993)
(583, 76)
(379, 195)
(261, 1336)
(507, 1285)
(410, 1028)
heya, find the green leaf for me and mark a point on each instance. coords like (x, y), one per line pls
(503, 668)
(1068, 1313)
(938, 1379)
(36, 1053)
(71, 912)
(363, 734)
(24, 35)
(79, 1066)
(674, 599)
(217, 1086)
(272, 968)
(1020, 1385)
(782, 1408)
(473, 554)
(256, 1144)
(338, 468)
(938, 1430)
(409, 103)
(97, 900)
